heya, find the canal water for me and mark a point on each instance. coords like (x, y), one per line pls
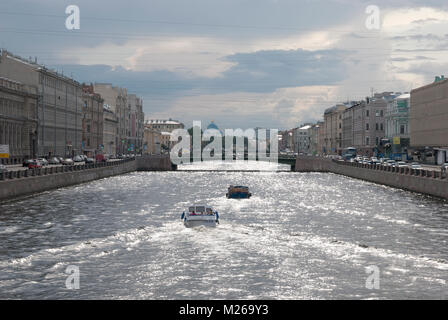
(301, 236)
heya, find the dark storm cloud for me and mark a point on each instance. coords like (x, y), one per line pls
(266, 71)
(403, 59)
(37, 28)
(263, 72)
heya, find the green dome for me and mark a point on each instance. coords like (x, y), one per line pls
(212, 125)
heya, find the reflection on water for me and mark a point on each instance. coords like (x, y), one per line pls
(301, 235)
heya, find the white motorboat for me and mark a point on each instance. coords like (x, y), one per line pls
(200, 216)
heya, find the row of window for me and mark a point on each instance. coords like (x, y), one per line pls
(377, 141)
(13, 135)
(166, 126)
(56, 84)
(378, 113)
(12, 108)
(378, 126)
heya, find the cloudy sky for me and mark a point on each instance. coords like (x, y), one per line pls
(241, 63)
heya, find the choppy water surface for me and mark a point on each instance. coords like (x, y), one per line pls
(301, 235)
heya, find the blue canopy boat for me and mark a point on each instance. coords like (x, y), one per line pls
(238, 192)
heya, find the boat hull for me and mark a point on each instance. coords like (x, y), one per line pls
(239, 195)
(196, 221)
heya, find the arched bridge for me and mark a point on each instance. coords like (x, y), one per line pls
(282, 159)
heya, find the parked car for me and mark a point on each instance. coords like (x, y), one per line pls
(100, 158)
(3, 168)
(54, 160)
(401, 164)
(27, 162)
(68, 162)
(415, 165)
(43, 161)
(90, 160)
(78, 159)
(35, 164)
(389, 163)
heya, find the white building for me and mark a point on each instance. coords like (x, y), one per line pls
(302, 139)
(164, 129)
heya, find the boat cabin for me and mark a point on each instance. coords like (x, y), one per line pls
(200, 210)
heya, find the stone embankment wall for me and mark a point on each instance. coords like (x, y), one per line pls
(418, 180)
(15, 184)
(155, 163)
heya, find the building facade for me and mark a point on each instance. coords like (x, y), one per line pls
(164, 128)
(128, 110)
(151, 141)
(136, 124)
(116, 100)
(313, 134)
(347, 128)
(429, 121)
(110, 131)
(18, 120)
(164, 125)
(369, 124)
(286, 141)
(92, 122)
(302, 139)
(59, 107)
(333, 129)
(397, 126)
(321, 139)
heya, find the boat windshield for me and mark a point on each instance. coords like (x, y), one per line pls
(200, 209)
(191, 209)
(209, 211)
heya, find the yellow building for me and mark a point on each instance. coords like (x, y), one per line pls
(429, 120)
(151, 141)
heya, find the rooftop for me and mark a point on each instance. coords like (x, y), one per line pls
(404, 96)
(432, 84)
(335, 108)
(36, 66)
